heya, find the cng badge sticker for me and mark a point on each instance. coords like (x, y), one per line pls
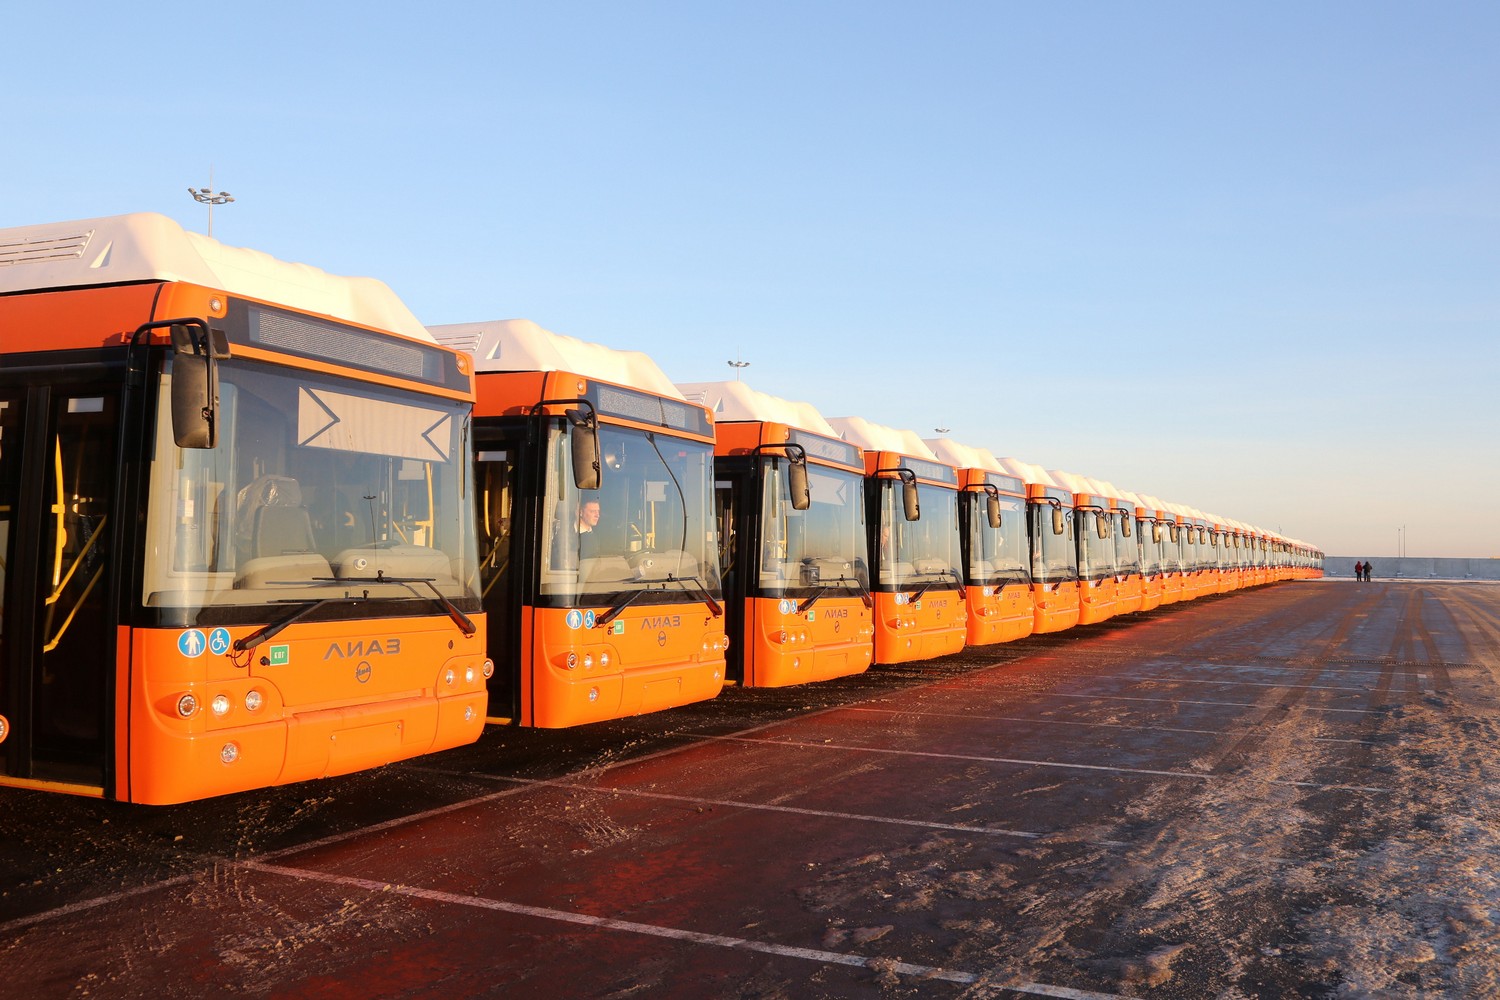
(279, 656)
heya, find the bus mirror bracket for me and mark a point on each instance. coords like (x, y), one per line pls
(586, 469)
(992, 505)
(584, 421)
(911, 506)
(796, 478)
(196, 350)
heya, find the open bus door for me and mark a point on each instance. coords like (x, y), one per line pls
(58, 619)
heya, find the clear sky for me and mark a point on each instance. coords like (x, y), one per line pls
(1245, 257)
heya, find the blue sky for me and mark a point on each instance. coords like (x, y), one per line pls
(1245, 257)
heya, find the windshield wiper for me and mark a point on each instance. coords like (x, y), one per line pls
(817, 595)
(708, 598)
(265, 632)
(615, 609)
(465, 625)
(931, 583)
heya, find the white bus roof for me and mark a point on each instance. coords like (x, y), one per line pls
(1027, 472)
(737, 401)
(519, 345)
(145, 246)
(962, 456)
(878, 437)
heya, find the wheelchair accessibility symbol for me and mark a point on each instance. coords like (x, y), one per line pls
(218, 641)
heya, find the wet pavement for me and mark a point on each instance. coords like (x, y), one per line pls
(1281, 792)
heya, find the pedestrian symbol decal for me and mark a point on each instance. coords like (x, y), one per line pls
(191, 643)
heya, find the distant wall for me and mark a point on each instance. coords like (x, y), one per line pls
(1391, 568)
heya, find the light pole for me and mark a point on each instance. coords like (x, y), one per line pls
(207, 196)
(737, 365)
(941, 430)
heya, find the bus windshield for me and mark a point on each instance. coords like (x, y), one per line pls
(997, 556)
(1096, 558)
(317, 484)
(803, 551)
(1053, 557)
(1127, 549)
(646, 533)
(1149, 534)
(924, 551)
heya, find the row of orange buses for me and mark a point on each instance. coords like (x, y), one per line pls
(259, 525)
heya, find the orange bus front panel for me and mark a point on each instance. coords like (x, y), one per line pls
(310, 702)
(1129, 594)
(647, 659)
(999, 614)
(1096, 601)
(1056, 606)
(833, 638)
(1153, 591)
(905, 630)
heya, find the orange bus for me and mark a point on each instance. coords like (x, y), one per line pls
(1174, 577)
(791, 522)
(599, 565)
(235, 542)
(1096, 549)
(1054, 552)
(1129, 581)
(992, 539)
(1148, 535)
(913, 541)
(1204, 576)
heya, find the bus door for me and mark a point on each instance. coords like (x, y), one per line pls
(58, 469)
(733, 497)
(503, 549)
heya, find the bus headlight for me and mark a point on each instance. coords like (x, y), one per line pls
(220, 705)
(469, 674)
(253, 701)
(187, 706)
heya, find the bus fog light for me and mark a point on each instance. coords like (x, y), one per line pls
(230, 753)
(187, 706)
(489, 669)
(253, 701)
(593, 694)
(468, 713)
(220, 704)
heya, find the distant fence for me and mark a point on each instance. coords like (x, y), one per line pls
(1411, 568)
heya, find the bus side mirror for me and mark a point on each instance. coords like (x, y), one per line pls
(1057, 520)
(992, 508)
(585, 439)
(909, 499)
(1101, 525)
(796, 481)
(195, 390)
(1125, 525)
(1155, 532)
